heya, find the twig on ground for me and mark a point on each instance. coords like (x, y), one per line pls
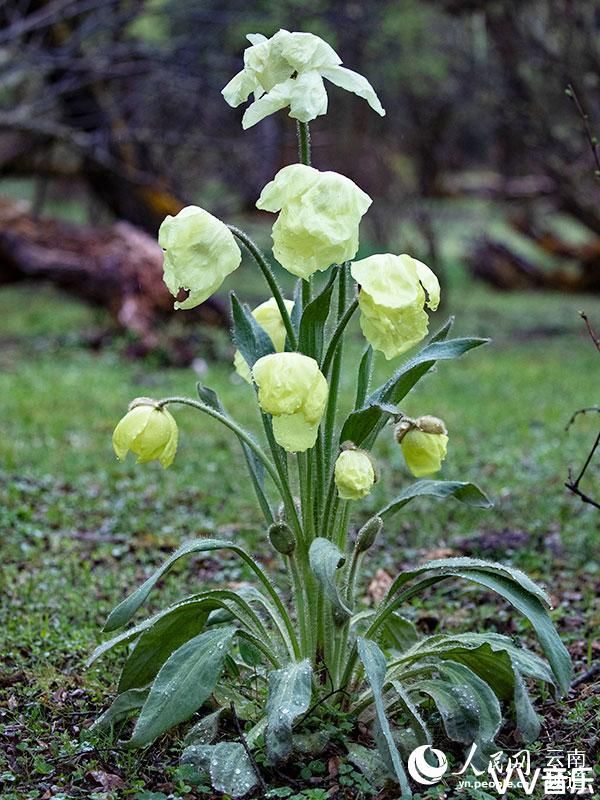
(587, 676)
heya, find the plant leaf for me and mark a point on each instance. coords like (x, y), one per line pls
(290, 690)
(183, 684)
(227, 763)
(528, 722)
(365, 372)
(122, 613)
(370, 763)
(120, 708)
(467, 493)
(312, 323)
(400, 633)
(510, 583)
(156, 644)
(363, 425)
(251, 340)
(417, 723)
(325, 560)
(205, 731)
(375, 669)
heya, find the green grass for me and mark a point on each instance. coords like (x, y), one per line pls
(79, 529)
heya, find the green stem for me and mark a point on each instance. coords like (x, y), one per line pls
(303, 142)
(299, 598)
(270, 278)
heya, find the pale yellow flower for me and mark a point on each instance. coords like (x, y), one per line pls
(148, 431)
(320, 213)
(354, 474)
(200, 252)
(269, 318)
(424, 443)
(288, 70)
(294, 391)
(392, 299)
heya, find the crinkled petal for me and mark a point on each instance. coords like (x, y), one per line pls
(353, 82)
(389, 280)
(392, 331)
(294, 433)
(354, 474)
(304, 51)
(276, 99)
(308, 98)
(239, 88)
(290, 182)
(256, 38)
(424, 452)
(152, 440)
(200, 252)
(129, 428)
(430, 283)
(170, 448)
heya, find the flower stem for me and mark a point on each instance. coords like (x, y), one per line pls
(303, 143)
(270, 278)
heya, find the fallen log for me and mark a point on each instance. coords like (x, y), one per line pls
(118, 267)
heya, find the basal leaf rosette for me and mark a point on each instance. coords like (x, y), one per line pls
(288, 70)
(200, 252)
(424, 442)
(294, 391)
(268, 316)
(394, 291)
(319, 217)
(147, 430)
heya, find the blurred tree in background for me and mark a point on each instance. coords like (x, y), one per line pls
(123, 97)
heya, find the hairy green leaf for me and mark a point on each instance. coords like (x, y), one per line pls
(183, 684)
(325, 560)
(312, 324)
(375, 670)
(227, 763)
(251, 340)
(121, 707)
(290, 690)
(363, 425)
(467, 493)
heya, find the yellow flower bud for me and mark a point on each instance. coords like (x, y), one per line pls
(200, 252)
(288, 70)
(148, 431)
(268, 317)
(424, 442)
(294, 391)
(392, 300)
(354, 474)
(320, 213)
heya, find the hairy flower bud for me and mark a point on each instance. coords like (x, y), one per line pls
(424, 443)
(282, 538)
(392, 300)
(320, 213)
(294, 391)
(366, 536)
(354, 474)
(148, 431)
(269, 318)
(200, 252)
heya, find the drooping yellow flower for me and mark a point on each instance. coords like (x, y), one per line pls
(268, 317)
(320, 213)
(200, 252)
(424, 443)
(294, 391)
(392, 299)
(354, 474)
(148, 431)
(288, 70)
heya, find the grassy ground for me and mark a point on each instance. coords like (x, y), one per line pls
(79, 529)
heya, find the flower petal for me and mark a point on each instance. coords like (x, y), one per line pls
(276, 99)
(308, 99)
(239, 88)
(353, 82)
(430, 283)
